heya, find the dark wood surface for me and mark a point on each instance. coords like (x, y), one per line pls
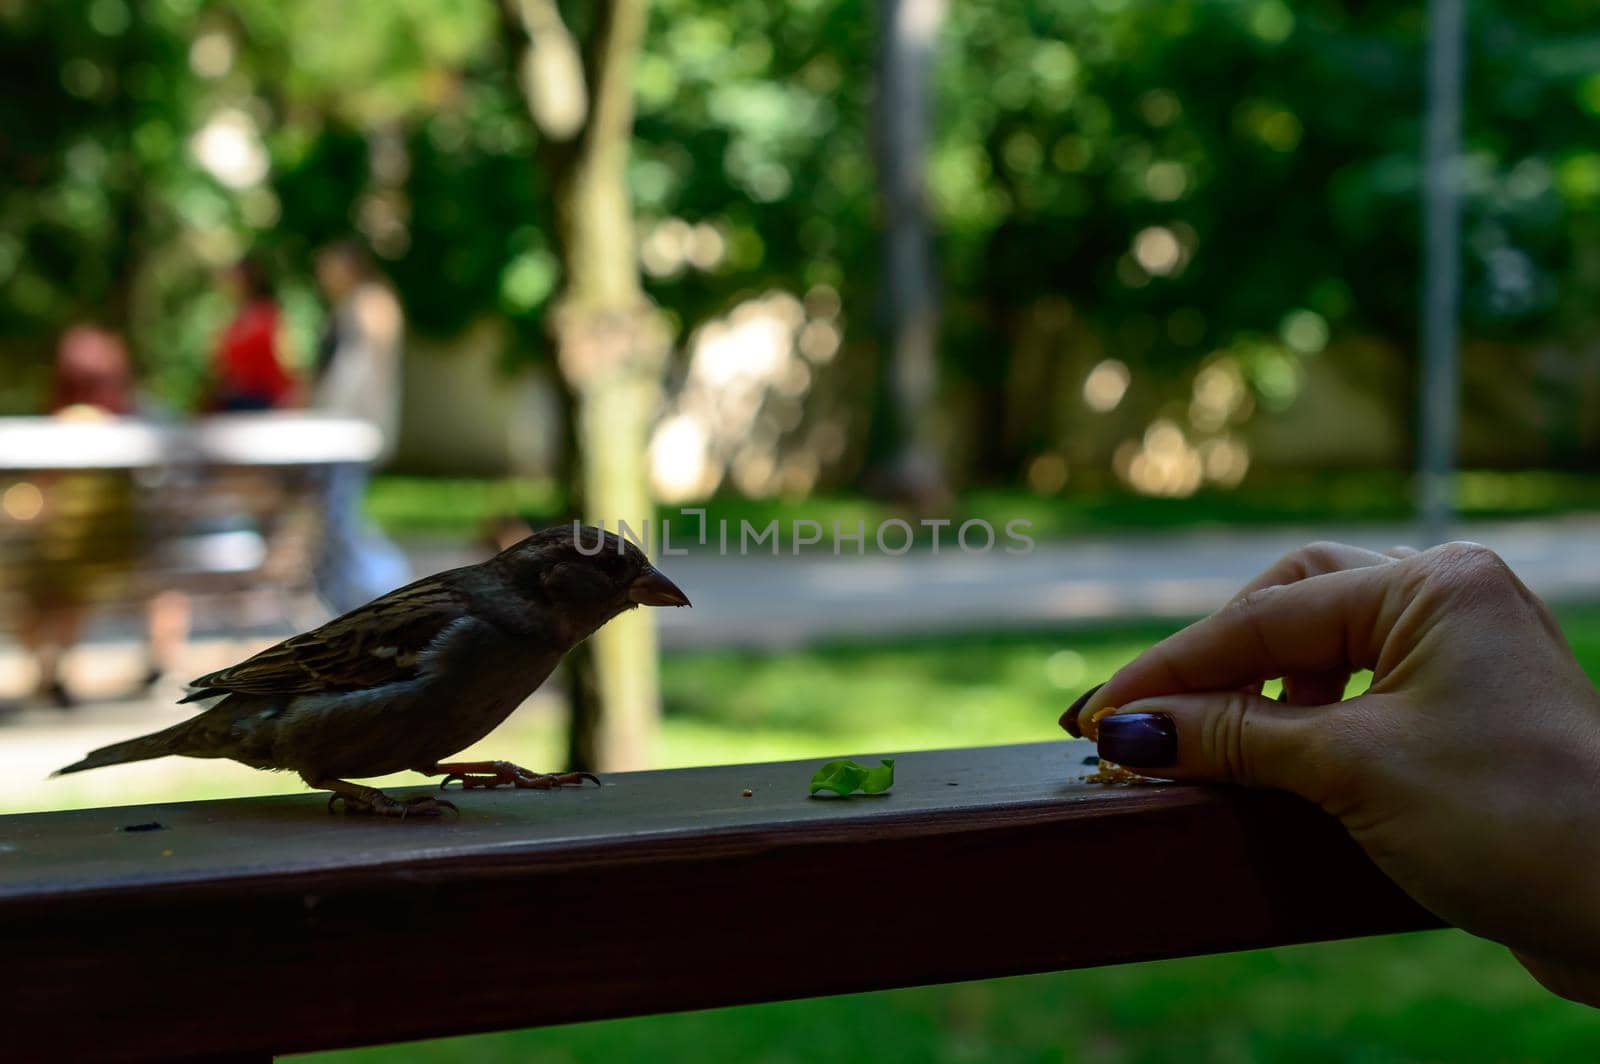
(266, 924)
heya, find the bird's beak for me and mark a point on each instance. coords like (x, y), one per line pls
(651, 588)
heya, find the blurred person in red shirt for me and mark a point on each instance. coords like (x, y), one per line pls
(248, 374)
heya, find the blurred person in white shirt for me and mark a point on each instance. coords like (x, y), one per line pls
(358, 376)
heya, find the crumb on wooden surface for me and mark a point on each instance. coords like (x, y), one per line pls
(1090, 726)
(1110, 774)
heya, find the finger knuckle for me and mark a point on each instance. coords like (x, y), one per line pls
(1469, 557)
(1225, 741)
(1322, 555)
(1469, 569)
(1312, 559)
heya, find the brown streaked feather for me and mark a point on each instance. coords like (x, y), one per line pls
(376, 644)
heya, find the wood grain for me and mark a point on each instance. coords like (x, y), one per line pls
(267, 925)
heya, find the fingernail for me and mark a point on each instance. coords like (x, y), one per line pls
(1139, 740)
(1069, 719)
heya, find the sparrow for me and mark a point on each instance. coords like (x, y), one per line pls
(416, 675)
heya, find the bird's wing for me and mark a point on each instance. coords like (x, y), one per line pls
(379, 643)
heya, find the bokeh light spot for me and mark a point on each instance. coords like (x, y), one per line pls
(1065, 669)
(211, 54)
(1106, 384)
(1271, 21)
(1047, 473)
(22, 501)
(1166, 181)
(1157, 250)
(1305, 331)
(1160, 107)
(230, 148)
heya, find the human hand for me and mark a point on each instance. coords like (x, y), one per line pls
(1470, 769)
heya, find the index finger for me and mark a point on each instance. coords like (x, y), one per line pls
(1315, 559)
(1335, 620)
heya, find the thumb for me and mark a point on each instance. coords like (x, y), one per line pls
(1225, 737)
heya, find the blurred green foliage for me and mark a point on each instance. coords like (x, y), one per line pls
(1163, 180)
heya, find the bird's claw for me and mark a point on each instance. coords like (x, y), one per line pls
(380, 804)
(504, 773)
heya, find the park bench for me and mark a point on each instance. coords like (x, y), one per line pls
(227, 507)
(242, 928)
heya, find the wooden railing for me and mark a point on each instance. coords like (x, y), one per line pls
(258, 926)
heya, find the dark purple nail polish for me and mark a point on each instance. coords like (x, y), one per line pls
(1139, 740)
(1069, 719)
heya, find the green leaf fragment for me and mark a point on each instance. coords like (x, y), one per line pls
(879, 779)
(841, 777)
(844, 777)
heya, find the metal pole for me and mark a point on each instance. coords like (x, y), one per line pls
(1441, 269)
(910, 33)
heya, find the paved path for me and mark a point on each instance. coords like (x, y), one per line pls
(762, 601)
(759, 600)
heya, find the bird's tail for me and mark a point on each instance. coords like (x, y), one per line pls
(156, 744)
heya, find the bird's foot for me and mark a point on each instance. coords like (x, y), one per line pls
(484, 774)
(371, 800)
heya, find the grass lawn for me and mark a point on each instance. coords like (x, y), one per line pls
(1437, 996)
(405, 505)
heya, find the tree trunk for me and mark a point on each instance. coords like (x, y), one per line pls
(615, 362)
(611, 344)
(577, 668)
